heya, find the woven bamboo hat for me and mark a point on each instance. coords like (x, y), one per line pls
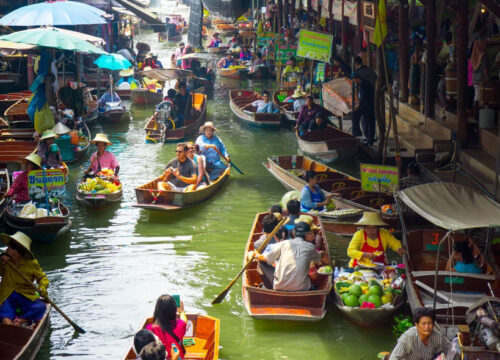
(101, 138)
(47, 134)
(371, 218)
(127, 72)
(308, 220)
(20, 239)
(34, 158)
(61, 129)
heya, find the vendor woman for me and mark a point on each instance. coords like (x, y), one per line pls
(48, 150)
(19, 189)
(311, 196)
(103, 159)
(19, 302)
(371, 242)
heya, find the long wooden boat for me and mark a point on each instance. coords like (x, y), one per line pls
(286, 108)
(149, 197)
(7, 100)
(260, 72)
(226, 29)
(3, 123)
(91, 106)
(17, 114)
(262, 303)
(233, 73)
(203, 329)
(155, 130)
(20, 343)
(145, 97)
(12, 152)
(4, 188)
(329, 144)
(241, 98)
(26, 134)
(114, 115)
(163, 37)
(80, 154)
(124, 93)
(42, 230)
(218, 50)
(290, 171)
(98, 201)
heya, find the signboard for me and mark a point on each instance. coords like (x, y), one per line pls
(351, 11)
(315, 45)
(263, 38)
(368, 15)
(284, 52)
(320, 72)
(56, 183)
(379, 178)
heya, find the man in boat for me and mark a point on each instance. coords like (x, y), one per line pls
(298, 100)
(180, 173)
(421, 341)
(292, 261)
(369, 244)
(365, 108)
(263, 105)
(210, 146)
(412, 176)
(19, 189)
(108, 97)
(183, 102)
(48, 150)
(170, 28)
(307, 114)
(226, 62)
(215, 41)
(102, 159)
(158, 63)
(15, 293)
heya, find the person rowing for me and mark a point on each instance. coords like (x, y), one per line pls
(210, 146)
(102, 159)
(19, 189)
(181, 172)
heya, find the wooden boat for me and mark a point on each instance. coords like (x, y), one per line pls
(12, 152)
(262, 303)
(155, 130)
(91, 106)
(238, 99)
(42, 230)
(20, 343)
(330, 143)
(218, 50)
(114, 114)
(259, 72)
(203, 329)
(17, 114)
(4, 188)
(286, 108)
(124, 93)
(149, 197)
(162, 37)
(145, 97)
(7, 100)
(98, 201)
(290, 171)
(226, 29)
(26, 134)
(3, 123)
(236, 72)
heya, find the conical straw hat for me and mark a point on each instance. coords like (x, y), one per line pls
(61, 129)
(35, 159)
(20, 238)
(371, 218)
(101, 138)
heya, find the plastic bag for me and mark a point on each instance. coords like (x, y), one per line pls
(28, 211)
(44, 120)
(40, 212)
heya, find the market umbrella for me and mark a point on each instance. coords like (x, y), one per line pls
(112, 62)
(59, 12)
(54, 38)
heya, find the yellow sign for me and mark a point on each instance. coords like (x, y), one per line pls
(379, 178)
(315, 45)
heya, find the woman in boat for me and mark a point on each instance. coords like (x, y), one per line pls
(15, 294)
(210, 146)
(369, 244)
(49, 151)
(200, 161)
(245, 53)
(19, 189)
(292, 69)
(127, 80)
(178, 53)
(311, 196)
(166, 326)
(462, 259)
(102, 159)
(186, 63)
(421, 341)
(226, 62)
(215, 41)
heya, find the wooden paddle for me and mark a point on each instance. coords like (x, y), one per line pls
(227, 160)
(224, 292)
(75, 326)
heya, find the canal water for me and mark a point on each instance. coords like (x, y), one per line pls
(108, 271)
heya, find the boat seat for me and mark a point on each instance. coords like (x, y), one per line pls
(198, 350)
(452, 299)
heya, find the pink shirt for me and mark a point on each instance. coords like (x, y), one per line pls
(19, 189)
(107, 160)
(166, 339)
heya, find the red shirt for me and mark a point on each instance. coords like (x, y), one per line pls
(19, 189)
(166, 339)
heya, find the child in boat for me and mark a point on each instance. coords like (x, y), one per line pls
(14, 292)
(166, 326)
(19, 189)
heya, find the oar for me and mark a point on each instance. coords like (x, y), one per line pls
(224, 292)
(75, 326)
(227, 160)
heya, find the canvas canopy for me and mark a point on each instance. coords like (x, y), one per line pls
(168, 74)
(451, 206)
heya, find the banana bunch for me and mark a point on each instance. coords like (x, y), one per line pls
(100, 186)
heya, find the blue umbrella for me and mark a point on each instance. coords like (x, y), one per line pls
(55, 13)
(112, 62)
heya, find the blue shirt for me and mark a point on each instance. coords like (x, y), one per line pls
(107, 97)
(211, 155)
(470, 268)
(310, 200)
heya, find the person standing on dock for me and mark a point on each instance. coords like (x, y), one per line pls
(366, 105)
(210, 146)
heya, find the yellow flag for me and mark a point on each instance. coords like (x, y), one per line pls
(381, 24)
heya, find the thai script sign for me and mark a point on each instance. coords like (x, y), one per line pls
(379, 178)
(315, 45)
(55, 180)
(320, 72)
(284, 52)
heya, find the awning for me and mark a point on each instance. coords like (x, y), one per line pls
(141, 12)
(451, 206)
(168, 74)
(16, 46)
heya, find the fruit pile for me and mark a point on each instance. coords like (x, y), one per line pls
(98, 185)
(106, 172)
(367, 290)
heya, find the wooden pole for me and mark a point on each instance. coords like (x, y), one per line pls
(462, 70)
(430, 62)
(404, 53)
(279, 15)
(344, 33)
(359, 32)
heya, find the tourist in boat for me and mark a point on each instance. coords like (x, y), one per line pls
(201, 164)
(298, 100)
(413, 177)
(311, 196)
(19, 189)
(180, 173)
(319, 123)
(142, 338)
(292, 260)
(48, 150)
(178, 53)
(245, 54)
(102, 159)
(293, 208)
(369, 244)
(183, 102)
(226, 62)
(108, 97)
(15, 294)
(210, 146)
(421, 341)
(263, 105)
(154, 351)
(215, 41)
(307, 114)
(170, 28)
(462, 259)
(186, 63)
(166, 326)
(158, 63)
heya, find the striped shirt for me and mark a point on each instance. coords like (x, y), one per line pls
(410, 347)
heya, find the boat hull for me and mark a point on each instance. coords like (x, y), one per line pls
(237, 74)
(238, 99)
(331, 144)
(80, 154)
(113, 116)
(145, 97)
(99, 201)
(124, 93)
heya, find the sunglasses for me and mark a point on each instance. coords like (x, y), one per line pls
(179, 151)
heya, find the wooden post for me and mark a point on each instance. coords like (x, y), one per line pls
(404, 53)
(78, 68)
(359, 33)
(344, 33)
(380, 106)
(286, 11)
(462, 32)
(430, 62)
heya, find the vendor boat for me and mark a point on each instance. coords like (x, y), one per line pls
(329, 143)
(149, 197)
(4, 188)
(218, 50)
(233, 72)
(17, 114)
(141, 96)
(21, 343)
(79, 150)
(226, 29)
(262, 303)
(349, 205)
(26, 134)
(7, 100)
(43, 229)
(123, 93)
(96, 200)
(113, 113)
(201, 339)
(238, 99)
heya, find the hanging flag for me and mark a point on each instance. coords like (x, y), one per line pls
(380, 24)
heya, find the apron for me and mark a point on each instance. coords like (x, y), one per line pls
(315, 197)
(369, 249)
